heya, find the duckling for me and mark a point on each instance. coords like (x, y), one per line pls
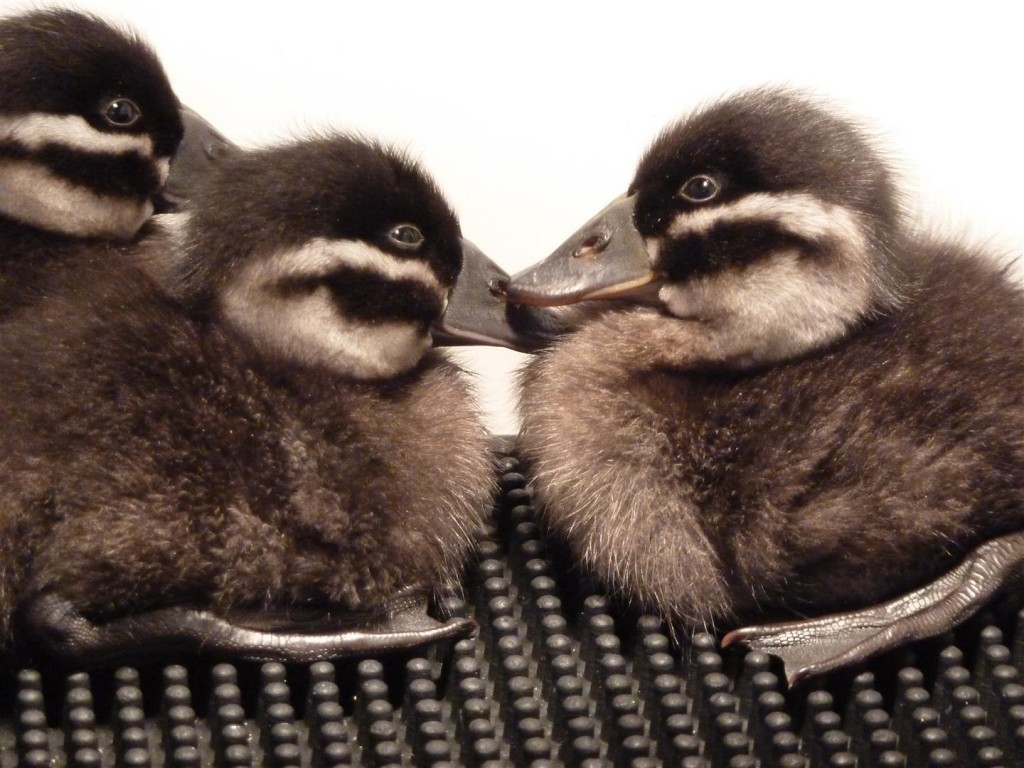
(272, 462)
(794, 406)
(88, 125)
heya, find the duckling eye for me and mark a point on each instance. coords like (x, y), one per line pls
(700, 189)
(407, 237)
(122, 112)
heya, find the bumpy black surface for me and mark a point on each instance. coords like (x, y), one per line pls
(559, 675)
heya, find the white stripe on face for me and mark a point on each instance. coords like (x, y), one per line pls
(30, 193)
(799, 214)
(310, 327)
(774, 309)
(321, 256)
(782, 303)
(35, 130)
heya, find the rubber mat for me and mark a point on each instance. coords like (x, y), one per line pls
(559, 675)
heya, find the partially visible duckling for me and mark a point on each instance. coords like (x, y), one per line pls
(88, 125)
(274, 463)
(795, 407)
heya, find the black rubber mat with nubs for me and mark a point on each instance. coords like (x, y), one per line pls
(559, 675)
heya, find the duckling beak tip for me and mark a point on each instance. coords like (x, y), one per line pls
(478, 313)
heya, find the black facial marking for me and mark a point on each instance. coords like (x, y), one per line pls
(723, 246)
(369, 297)
(127, 175)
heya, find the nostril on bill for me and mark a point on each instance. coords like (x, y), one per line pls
(498, 287)
(592, 246)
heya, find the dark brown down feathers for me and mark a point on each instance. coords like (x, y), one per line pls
(157, 466)
(833, 481)
(153, 457)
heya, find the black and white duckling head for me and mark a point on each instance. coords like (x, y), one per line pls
(296, 468)
(88, 125)
(349, 274)
(765, 219)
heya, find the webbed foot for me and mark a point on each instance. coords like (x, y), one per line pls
(816, 646)
(293, 637)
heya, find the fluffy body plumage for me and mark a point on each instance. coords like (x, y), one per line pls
(817, 413)
(154, 455)
(88, 124)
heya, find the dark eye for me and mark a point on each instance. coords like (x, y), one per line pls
(700, 189)
(406, 236)
(122, 112)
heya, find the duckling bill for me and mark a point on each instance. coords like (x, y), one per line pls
(794, 406)
(269, 459)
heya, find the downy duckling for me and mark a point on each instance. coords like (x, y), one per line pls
(88, 126)
(795, 406)
(274, 462)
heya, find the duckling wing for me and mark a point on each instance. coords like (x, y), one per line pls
(820, 645)
(259, 636)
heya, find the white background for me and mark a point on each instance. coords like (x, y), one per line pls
(532, 115)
